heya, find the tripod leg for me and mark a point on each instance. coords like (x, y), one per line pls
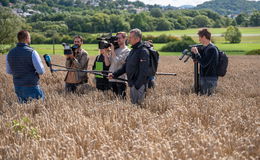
(196, 77)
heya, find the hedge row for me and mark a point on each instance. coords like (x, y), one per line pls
(39, 38)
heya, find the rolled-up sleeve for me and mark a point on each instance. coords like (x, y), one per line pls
(8, 68)
(37, 63)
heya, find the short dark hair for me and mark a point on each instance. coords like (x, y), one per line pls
(22, 35)
(204, 32)
(78, 36)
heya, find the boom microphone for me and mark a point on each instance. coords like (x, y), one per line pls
(47, 59)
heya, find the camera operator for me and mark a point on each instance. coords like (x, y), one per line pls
(136, 67)
(77, 60)
(207, 56)
(101, 63)
(117, 59)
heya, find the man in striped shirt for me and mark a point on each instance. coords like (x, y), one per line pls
(25, 65)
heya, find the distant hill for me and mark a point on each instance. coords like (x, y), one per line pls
(230, 7)
(186, 7)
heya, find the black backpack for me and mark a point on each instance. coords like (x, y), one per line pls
(222, 63)
(153, 59)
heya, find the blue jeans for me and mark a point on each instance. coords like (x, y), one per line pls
(25, 94)
(208, 85)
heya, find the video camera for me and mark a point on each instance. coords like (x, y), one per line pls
(69, 49)
(104, 42)
(188, 53)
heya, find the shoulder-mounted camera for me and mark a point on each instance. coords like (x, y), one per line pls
(69, 49)
(104, 42)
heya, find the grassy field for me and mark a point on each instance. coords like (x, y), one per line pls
(173, 123)
(92, 49)
(250, 40)
(244, 39)
(244, 30)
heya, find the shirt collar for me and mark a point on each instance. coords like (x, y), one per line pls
(137, 45)
(22, 44)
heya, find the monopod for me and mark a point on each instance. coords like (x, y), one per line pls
(47, 59)
(188, 54)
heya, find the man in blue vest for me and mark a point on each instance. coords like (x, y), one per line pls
(25, 65)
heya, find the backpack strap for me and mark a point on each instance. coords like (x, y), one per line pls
(213, 46)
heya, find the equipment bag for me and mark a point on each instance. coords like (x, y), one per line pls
(153, 59)
(222, 63)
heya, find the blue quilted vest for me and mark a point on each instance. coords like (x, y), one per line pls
(20, 61)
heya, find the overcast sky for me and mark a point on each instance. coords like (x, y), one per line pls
(176, 3)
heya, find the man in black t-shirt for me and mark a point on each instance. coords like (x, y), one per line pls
(207, 56)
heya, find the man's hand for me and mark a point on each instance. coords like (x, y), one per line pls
(112, 46)
(113, 50)
(110, 76)
(107, 52)
(194, 50)
(71, 56)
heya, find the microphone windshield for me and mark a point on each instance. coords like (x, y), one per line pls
(47, 59)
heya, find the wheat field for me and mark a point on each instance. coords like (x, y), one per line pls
(173, 123)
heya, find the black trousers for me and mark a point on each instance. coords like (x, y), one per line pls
(71, 87)
(118, 88)
(102, 84)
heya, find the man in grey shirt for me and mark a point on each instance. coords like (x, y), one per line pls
(116, 60)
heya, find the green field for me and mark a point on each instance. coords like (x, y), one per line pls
(92, 49)
(250, 40)
(234, 49)
(244, 30)
(244, 39)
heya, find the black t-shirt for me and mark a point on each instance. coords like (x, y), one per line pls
(208, 60)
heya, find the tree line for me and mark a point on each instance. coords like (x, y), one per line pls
(61, 26)
(111, 22)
